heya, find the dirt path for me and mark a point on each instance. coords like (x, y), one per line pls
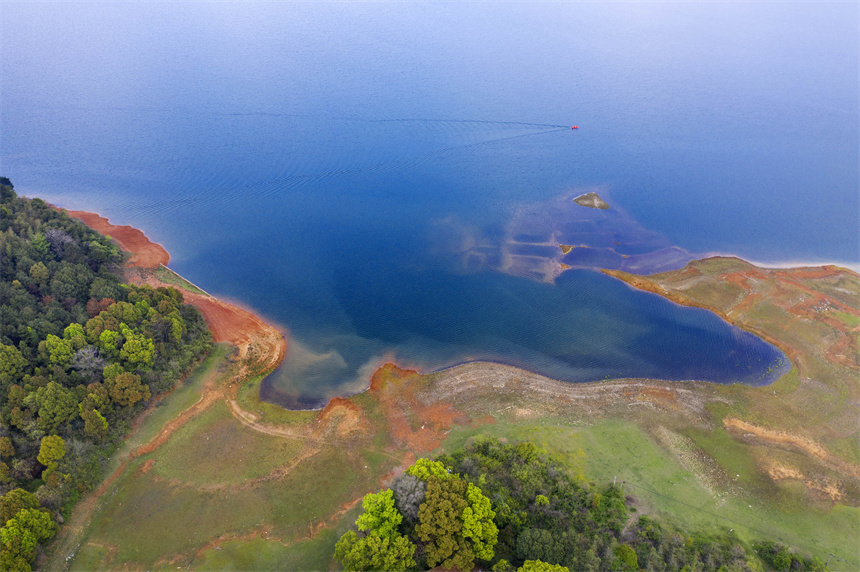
(69, 539)
(249, 420)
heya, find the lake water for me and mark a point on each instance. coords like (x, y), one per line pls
(390, 181)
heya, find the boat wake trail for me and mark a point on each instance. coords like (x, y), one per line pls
(213, 190)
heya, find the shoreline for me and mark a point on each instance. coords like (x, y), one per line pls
(229, 322)
(745, 414)
(651, 285)
(144, 252)
(642, 283)
(241, 326)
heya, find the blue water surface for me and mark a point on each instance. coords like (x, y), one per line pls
(355, 170)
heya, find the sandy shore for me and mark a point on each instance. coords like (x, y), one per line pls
(262, 343)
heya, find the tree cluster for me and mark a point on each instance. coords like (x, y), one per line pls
(80, 353)
(508, 507)
(780, 557)
(430, 517)
(27, 525)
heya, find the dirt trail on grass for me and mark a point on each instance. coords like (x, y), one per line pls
(69, 539)
(250, 420)
(808, 446)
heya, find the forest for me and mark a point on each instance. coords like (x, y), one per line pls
(81, 354)
(512, 506)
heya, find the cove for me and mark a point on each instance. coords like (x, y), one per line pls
(586, 327)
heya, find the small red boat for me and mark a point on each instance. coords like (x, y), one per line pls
(575, 127)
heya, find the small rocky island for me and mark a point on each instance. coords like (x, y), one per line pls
(592, 201)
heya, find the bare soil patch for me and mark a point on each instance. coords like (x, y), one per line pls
(144, 252)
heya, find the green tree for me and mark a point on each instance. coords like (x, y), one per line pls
(76, 334)
(15, 500)
(22, 534)
(541, 566)
(373, 552)
(425, 468)
(126, 389)
(627, 557)
(41, 245)
(112, 370)
(380, 514)
(94, 327)
(138, 351)
(440, 524)
(7, 449)
(13, 560)
(97, 397)
(5, 474)
(538, 544)
(60, 350)
(381, 547)
(95, 425)
(478, 525)
(108, 342)
(52, 449)
(55, 405)
(124, 312)
(12, 365)
(39, 273)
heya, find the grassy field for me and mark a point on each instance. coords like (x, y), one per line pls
(149, 519)
(197, 451)
(168, 276)
(182, 397)
(614, 450)
(261, 554)
(217, 494)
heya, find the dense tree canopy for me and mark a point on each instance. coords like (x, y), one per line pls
(21, 535)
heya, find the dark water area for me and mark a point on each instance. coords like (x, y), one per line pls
(601, 329)
(387, 181)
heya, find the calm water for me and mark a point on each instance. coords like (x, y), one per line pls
(375, 177)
